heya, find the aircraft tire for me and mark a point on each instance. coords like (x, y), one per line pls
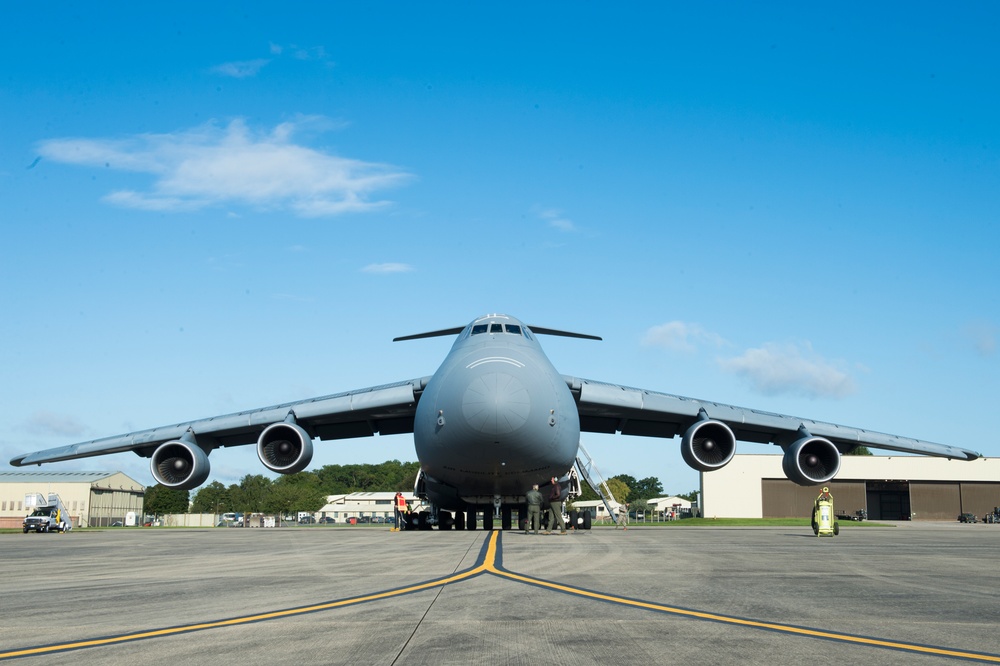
(470, 519)
(459, 520)
(586, 520)
(505, 518)
(487, 520)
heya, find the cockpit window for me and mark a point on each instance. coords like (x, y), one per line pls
(494, 327)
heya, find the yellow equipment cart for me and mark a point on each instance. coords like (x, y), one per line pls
(824, 522)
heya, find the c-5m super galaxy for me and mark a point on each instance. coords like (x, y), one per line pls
(495, 418)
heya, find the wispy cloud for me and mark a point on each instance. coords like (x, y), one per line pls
(50, 423)
(300, 52)
(556, 219)
(241, 69)
(681, 336)
(775, 369)
(983, 336)
(244, 69)
(387, 268)
(214, 165)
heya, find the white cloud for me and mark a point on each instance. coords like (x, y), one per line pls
(775, 369)
(556, 219)
(387, 268)
(233, 165)
(241, 69)
(983, 336)
(50, 423)
(681, 336)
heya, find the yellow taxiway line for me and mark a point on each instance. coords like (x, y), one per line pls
(487, 564)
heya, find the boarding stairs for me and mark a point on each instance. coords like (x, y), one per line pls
(588, 470)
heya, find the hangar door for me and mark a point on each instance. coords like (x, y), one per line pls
(979, 497)
(784, 499)
(930, 500)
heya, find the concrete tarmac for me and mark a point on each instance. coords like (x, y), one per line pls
(907, 594)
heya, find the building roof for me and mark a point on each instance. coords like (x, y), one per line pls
(53, 477)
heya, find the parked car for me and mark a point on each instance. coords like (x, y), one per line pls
(968, 518)
(327, 520)
(306, 520)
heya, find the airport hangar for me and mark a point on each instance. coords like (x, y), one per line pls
(898, 487)
(94, 499)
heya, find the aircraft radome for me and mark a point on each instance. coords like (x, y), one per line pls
(493, 419)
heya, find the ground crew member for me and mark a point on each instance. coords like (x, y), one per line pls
(399, 505)
(534, 500)
(622, 517)
(555, 507)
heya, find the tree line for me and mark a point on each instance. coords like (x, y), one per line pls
(286, 495)
(307, 491)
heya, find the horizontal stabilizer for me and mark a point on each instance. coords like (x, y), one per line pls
(458, 329)
(431, 334)
(566, 334)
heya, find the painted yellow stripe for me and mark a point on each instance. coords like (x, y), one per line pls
(112, 640)
(784, 628)
(488, 565)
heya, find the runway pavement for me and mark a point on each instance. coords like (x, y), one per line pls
(910, 594)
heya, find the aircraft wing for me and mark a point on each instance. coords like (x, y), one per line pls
(610, 408)
(387, 410)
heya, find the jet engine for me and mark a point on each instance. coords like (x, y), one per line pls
(285, 448)
(180, 464)
(708, 445)
(811, 460)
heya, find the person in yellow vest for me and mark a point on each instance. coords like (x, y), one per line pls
(399, 505)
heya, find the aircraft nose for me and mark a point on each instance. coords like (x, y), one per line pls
(496, 403)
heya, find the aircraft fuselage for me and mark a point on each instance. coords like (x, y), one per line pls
(495, 418)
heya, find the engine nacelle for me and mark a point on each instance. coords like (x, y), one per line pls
(708, 445)
(179, 464)
(285, 448)
(811, 460)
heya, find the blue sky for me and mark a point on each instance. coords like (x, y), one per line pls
(213, 208)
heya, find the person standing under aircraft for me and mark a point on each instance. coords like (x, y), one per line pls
(555, 507)
(534, 501)
(399, 505)
(622, 517)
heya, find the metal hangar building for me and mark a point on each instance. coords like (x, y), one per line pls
(93, 499)
(897, 487)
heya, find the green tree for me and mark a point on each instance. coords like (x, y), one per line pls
(293, 493)
(160, 500)
(390, 475)
(213, 498)
(618, 489)
(252, 493)
(645, 489)
(858, 451)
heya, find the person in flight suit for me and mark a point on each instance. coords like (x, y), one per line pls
(534, 501)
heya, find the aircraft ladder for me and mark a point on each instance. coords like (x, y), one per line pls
(588, 470)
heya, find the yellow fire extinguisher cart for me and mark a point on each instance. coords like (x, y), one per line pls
(824, 522)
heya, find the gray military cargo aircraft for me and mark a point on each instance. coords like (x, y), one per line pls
(493, 419)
